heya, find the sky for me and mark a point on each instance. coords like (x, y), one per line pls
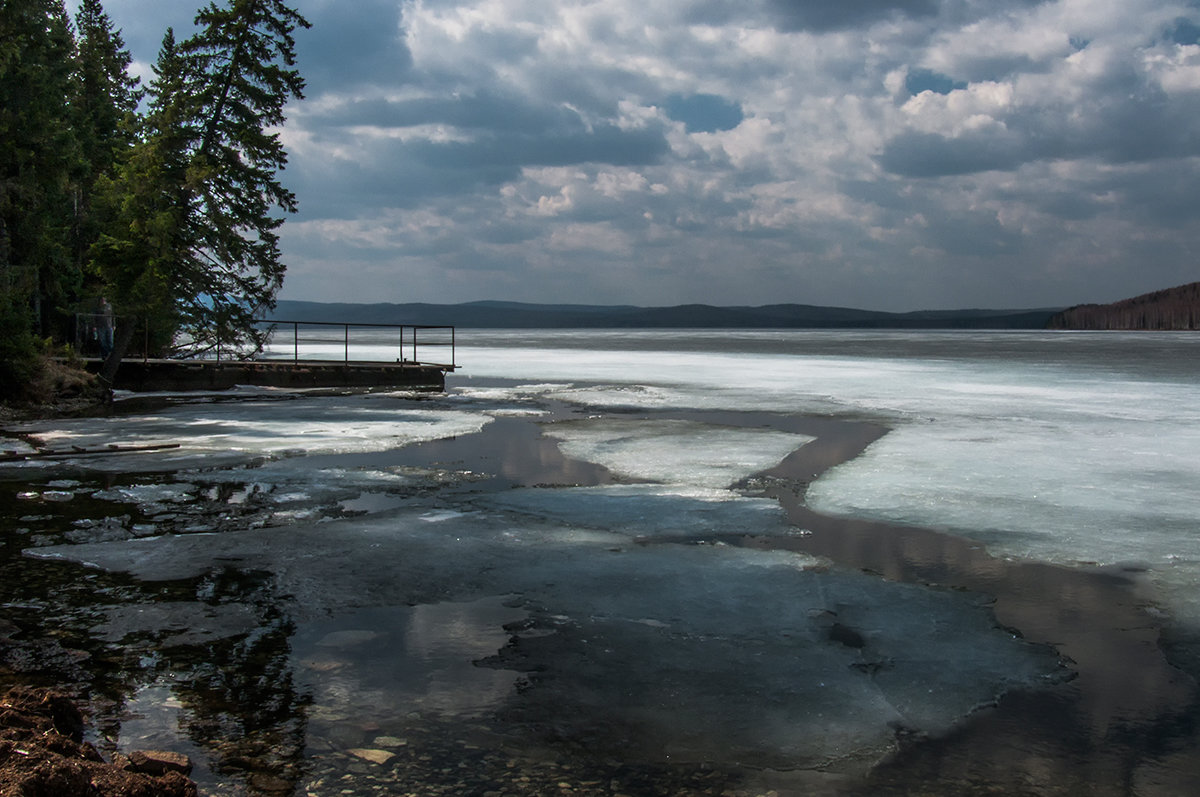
(879, 154)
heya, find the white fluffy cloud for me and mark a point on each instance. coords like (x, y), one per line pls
(890, 154)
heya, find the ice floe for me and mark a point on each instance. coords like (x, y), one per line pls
(675, 451)
(217, 433)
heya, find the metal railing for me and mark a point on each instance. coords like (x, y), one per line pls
(406, 343)
(411, 341)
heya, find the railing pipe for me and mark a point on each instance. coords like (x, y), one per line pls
(403, 342)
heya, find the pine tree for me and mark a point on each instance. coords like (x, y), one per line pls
(141, 214)
(239, 72)
(37, 154)
(104, 109)
(196, 231)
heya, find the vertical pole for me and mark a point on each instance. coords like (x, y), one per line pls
(295, 342)
(146, 342)
(415, 345)
(347, 327)
(453, 349)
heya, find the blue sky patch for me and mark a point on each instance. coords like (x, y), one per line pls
(919, 80)
(704, 113)
(1184, 31)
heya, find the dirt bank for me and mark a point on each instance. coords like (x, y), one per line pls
(42, 754)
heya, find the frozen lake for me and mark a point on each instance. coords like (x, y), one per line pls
(642, 562)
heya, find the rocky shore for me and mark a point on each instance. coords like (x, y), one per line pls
(42, 753)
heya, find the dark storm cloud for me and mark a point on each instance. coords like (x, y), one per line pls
(480, 111)
(596, 144)
(505, 135)
(351, 44)
(1184, 31)
(915, 154)
(821, 15)
(391, 176)
(1127, 119)
(1123, 130)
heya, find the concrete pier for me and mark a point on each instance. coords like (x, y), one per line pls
(168, 375)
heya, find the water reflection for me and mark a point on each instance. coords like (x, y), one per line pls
(378, 666)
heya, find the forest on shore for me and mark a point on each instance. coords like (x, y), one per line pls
(1171, 309)
(129, 208)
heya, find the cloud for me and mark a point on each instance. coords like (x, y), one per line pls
(916, 154)
(815, 15)
(892, 154)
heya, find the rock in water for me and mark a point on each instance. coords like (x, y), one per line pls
(374, 756)
(159, 762)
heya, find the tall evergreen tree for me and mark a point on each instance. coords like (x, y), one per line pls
(210, 155)
(141, 213)
(104, 108)
(37, 154)
(240, 73)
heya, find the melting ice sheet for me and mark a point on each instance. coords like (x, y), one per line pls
(258, 426)
(675, 451)
(697, 652)
(1065, 447)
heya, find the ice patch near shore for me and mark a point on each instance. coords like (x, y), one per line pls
(675, 451)
(173, 493)
(14, 445)
(250, 427)
(696, 652)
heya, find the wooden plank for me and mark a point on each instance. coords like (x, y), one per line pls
(80, 451)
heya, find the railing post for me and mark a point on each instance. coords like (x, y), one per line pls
(295, 342)
(415, 345)
(347, 358)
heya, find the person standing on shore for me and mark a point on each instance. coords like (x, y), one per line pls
(104, 328)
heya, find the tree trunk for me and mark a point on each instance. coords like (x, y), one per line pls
(121, 341)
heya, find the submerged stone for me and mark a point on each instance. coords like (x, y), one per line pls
(374, 756)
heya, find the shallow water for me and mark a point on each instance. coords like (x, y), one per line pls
(588, 587)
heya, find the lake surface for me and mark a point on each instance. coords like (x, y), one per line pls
(641, 562)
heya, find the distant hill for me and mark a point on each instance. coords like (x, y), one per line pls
(517, 315)
(1173, 308)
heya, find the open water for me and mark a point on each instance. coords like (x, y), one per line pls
(640, 562)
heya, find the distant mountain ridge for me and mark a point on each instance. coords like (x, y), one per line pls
(1171, 309)
(519, 315)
